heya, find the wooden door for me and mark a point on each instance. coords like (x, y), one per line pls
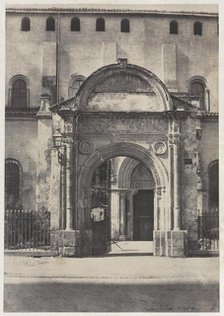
(143, 215)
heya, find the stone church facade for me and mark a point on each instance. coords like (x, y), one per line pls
(112, 125)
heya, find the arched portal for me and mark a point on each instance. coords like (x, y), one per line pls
(122, 110)
(137, 180)
(134, 151)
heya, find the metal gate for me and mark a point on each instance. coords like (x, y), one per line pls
(208, 230)
(27, 229)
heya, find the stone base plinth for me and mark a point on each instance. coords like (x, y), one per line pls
(161, 244)
(178, 243)
(169, 243)
(67, 242)
(122, 237)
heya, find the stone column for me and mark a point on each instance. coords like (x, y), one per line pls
(122, 215)
(170, 157)
(69, 222)
(114, 214)
(176, 139)
(63, 188)
(177, 236)
(69, 239)
(129, 212)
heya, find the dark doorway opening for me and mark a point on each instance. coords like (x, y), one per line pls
(122, 215)
(100, 203)
(143, 215)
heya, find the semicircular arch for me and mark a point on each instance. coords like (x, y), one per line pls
(125, 171)
(145, 83)
(134, 151)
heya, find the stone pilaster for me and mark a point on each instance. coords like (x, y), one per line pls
(68, 166)
(69, 239)
(44, 136)
(176, 238)
(122, 215)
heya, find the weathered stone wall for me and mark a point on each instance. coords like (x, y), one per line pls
(188, 178)
(146, 45)
(44, 162)
(21, 144)
(208, 147)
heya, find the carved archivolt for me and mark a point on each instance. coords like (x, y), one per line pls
(129, 177)
(131, 150)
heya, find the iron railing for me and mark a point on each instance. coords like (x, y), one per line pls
(27, 229)
(208, 230)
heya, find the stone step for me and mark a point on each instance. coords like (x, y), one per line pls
(131, 247)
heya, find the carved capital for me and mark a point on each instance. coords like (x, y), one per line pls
(67, 140)
(159, 191)
(176, 138)
(123, 194)
(68, 128)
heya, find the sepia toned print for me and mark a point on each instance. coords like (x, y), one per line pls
(111, 159)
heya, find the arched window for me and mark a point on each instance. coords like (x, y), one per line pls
(50, 24)
(125, 26)
(75, 24)
(100, 25)
(197, 88)
(74, 84)
(198, 28)
(19, 92)
(13, 184)
(173, 27)
(25, 25)
(213, 185)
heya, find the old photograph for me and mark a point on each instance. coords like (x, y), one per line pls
(111, 158)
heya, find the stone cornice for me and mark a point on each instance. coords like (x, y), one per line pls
(210, 116)
(119, 114)
(23, 112)
(86, 10)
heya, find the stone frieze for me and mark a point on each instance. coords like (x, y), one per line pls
(120, 125)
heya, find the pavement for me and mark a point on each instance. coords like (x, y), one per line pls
(114, 283)
(141, 267)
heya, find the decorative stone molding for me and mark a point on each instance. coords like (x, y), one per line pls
(68, 128)
(92, 124)
(104, 75)
(159, 172)
(85, 147)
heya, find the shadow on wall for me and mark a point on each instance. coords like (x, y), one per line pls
(182, 67)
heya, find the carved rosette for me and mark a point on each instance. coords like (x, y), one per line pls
(159, 148)
(85, 147)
